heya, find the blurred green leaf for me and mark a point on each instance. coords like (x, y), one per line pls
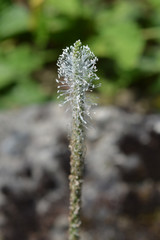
(6, 74)
(119, 36)
(17, 64)
(109, 88)
(72, 8)
(14, 20)
(26, 92)
(154, 3)
(122, 41)
(125, 44)
(24, 60)
(151, 63)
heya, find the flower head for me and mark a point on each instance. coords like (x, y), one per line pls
(76, 76)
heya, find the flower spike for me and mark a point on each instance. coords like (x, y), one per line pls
(77, 72)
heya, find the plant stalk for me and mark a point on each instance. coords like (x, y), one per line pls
(76, 178)
(77, 156)
(76, 67)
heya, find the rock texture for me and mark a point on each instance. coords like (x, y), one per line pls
(121, 191)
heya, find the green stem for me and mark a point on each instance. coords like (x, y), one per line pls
(77, 158)
(76, 179)
(76, 66)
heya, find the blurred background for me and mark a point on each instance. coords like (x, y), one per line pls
(121, 194)
(124, 35)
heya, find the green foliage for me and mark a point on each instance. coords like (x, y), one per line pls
(24, 93)
(71, 8)
(16, 66)
(119, 36)
(125, 35)
(14, 20)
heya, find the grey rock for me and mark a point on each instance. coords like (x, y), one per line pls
(121, 179)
